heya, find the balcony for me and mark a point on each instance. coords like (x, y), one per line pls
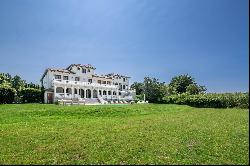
(82, 84)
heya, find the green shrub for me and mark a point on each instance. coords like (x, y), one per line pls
(7, 94)
(31, 95)
(210, 100)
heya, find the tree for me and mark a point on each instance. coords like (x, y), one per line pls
(138, 87)
(180, 83)
(194, 89)
(184, 83)
(17, 83)
(154, 90)
(4, 79)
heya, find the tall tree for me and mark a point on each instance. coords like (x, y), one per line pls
(182, 83)
(154, 90)
(17, 83)
(138, 86)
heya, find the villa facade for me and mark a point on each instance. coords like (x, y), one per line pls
(80, 82)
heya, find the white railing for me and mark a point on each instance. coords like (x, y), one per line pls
(61, 95)
(87, 84)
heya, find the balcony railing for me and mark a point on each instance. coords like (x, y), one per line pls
(87, 84)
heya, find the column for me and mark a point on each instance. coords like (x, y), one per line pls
(85, 93)
(54, 94)
(111, 94)
(92, 93)
(72, 91)
(78, 91)
(64, 91)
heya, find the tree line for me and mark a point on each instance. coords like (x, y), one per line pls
(183, 89)
(16, 90)
(155, 90)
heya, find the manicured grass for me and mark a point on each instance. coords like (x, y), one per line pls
(125, 134)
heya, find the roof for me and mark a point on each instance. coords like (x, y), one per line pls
(102, 76)
(118, 75)
(79, 65)
(56, 70)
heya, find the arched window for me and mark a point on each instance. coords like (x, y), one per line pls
(104, 92)
(59, 90)
(94, 93)
(114, 93)
(109, 92)
(68, 90)
(88, 93)
(120, 93)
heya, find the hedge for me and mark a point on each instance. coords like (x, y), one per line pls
(7, 94)
(31, 95)
(210, 100)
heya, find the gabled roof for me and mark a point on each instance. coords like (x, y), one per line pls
(82, 66)
(56, 70)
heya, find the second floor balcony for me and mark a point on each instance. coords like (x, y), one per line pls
(60, 82)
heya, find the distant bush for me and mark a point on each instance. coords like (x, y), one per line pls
(31, 95)
(210, 100)
(7, 94)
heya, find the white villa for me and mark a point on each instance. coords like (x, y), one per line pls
(81, 83)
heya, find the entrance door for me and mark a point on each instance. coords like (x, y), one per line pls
(49, 98)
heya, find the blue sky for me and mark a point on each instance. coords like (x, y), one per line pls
(158, 38)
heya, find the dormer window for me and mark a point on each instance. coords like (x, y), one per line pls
(78, 68)
(65, 78)
(124, 79)
(77, 79)
(58, 77)
(88, 70)
(83, 70)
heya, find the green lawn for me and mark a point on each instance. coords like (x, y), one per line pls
(124, 134)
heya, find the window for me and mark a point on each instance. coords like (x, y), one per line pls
(108, 82)
(88, 70)
(78, 68)
(75, 91)
(114, 93)
(109, 92)
(83, 70)
(99, 81)
(77, 79)
(90, 80)
(103, 82)
(104, 92)
(57, 76)
(123, 86)
(124, 79)
(65, 78)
